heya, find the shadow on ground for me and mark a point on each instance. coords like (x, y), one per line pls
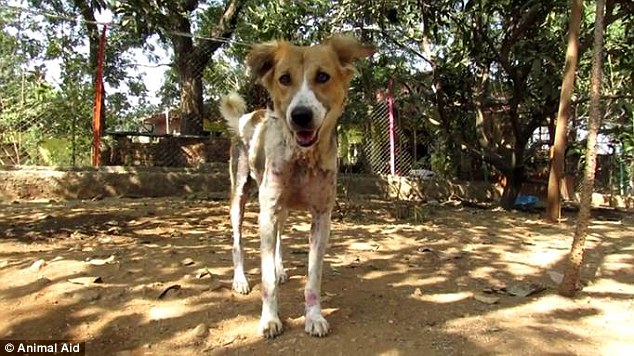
(390, 286)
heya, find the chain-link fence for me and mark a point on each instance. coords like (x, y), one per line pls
(161, 109)
(44, 104)
(48, 65)
(377, 146)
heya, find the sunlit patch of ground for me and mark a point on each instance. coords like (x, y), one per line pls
(163, 273)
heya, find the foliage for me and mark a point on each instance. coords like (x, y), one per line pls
(469, 77)
(179, 24)
(441, 164)
(47, 78)
(491, 66)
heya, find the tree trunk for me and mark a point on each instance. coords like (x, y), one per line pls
(192, 59)
(553, 210)
(88, 10)
(514, 180)
(568, 285)
(191, 99)
(190, 63)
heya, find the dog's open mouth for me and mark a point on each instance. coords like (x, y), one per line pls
(306, 138)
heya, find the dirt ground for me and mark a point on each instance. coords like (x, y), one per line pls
(153, 277)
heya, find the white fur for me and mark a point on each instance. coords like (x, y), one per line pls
(279, 149)
(232, 108)
(288, 176)
(306, 97)
(316, 324)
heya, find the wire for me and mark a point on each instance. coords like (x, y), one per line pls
(56, 16)
(114, 24)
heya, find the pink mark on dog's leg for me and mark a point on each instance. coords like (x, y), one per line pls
(265, 294)
(311, 299)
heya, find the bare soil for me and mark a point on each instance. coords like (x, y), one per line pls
(393, 287)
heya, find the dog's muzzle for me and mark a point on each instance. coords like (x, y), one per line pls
(302, 124)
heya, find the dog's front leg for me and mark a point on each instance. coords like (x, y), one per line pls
(316, 324)
(270, 214)
(282, 277)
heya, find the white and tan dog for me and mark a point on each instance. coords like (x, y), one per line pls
(290, 151)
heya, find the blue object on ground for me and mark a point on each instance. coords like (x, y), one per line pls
(526, 200)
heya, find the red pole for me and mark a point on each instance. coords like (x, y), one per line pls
(98, 119)
(390, 107)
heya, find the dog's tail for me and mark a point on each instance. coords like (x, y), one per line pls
(232, 107)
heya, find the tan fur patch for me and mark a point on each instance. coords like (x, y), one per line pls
(282, 68)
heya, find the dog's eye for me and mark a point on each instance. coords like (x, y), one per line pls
(322, 77)
(285, 79)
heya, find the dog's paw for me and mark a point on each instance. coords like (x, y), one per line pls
(241, 285)
(282, 277)
(316, 325)
(271, 327)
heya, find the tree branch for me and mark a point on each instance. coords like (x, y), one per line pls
(189, 5)
(534, 15)
(486, 154)
(610, 17)
(604, 97)
(91, 26)
(224, 29)
(403, 46)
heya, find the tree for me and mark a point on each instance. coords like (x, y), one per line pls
(87, 10)
(35, 109)
(558, 150)
(492, 65)
(493, 78)
(38, 38)
(568, 285)
(173, 22)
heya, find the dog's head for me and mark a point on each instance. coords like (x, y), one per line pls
(308, 85)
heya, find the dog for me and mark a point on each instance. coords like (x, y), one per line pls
(290, 151)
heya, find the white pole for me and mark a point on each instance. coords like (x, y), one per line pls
(167, 121)
(390, 106)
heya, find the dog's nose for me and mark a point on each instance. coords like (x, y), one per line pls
(302, 116)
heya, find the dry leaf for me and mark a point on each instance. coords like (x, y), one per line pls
(524, 289)
(486, 298)
(187, 262)
(203, 273)
(172, 288)
(37, 265)
(555, 276)
(86, 280)
(102, 261)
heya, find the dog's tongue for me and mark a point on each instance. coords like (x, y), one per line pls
(305, 138)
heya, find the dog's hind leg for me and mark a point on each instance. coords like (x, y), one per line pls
(239, 171)
(282, 277)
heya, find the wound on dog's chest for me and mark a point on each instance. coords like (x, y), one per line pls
(311, 188)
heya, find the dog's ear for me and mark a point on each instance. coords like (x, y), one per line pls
(348, 49)
(261, 60)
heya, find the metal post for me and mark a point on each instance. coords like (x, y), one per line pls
(390, 106)
(622, 180)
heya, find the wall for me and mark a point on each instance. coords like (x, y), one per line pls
(212, 181)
